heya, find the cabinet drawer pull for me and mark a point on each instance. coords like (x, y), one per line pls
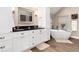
(2, 47)
(40, 31)
(32, 37)
(2, 37)
(32, 31)
(22, 33)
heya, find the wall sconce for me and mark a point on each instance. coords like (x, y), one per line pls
(36, 12)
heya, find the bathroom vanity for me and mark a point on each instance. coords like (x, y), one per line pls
(25, 35)
(23, 40)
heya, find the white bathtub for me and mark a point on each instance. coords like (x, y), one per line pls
(60, 34)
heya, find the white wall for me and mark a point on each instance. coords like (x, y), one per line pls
(6, 19)
(44, 17)
(67, 12)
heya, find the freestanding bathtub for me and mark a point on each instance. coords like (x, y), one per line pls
(60, 34)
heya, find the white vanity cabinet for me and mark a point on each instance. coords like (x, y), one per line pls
(6, 42)
(23, 40)
(6, 46)
(30, 39)
(41, 36)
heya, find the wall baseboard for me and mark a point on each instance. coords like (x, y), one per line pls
(75, 37)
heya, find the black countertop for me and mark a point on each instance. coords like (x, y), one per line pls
(18, 30)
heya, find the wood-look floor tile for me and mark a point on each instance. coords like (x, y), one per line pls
(60, 47)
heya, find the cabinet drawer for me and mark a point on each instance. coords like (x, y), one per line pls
(35, 32)
(21, 44)
(4, 37)
(6, 46)
(38, 32)
(23, 33)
